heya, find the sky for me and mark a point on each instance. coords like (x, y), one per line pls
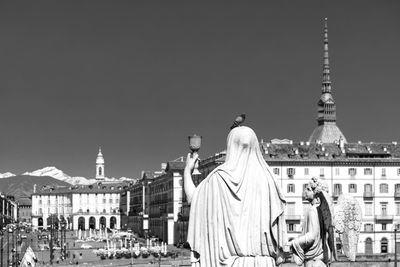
(138, 77)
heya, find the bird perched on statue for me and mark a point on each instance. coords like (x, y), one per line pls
(238, 121)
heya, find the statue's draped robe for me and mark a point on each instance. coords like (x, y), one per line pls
(236, 215)
(308, 247)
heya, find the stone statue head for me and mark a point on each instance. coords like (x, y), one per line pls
(314, 188)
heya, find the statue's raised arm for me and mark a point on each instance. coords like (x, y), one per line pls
(316, 247)
(189, 186)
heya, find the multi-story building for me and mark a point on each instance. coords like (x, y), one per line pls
(166, 201)
(83, 206)
(8, 210)
(134, 213)
(156, 201)
(25, 210)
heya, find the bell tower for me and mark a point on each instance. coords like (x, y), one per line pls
(100, 166)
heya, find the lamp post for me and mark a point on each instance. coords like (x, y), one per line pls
(1, 248)
(16, 258)
(51, 239)
(63, 240)
(8, 245)
(395, 247)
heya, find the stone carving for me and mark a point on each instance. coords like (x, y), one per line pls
(316, 247)
(236, 214)
(348, 224)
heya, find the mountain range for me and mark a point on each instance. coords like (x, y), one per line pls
(61, 176)
(21, 186)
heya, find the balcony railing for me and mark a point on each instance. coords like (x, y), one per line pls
(368, 194)
(96, 213)
(384, 217)
(336, 194)
(292, 217)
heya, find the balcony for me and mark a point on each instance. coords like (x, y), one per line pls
(384, 218)
(368, 194)
(336, 194)
(397, 194)
(293, 218)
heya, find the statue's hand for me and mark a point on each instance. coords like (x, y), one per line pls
(191, 160)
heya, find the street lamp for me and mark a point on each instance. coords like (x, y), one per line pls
(395, 247)
(10, 230)
(63, 238)
(1, 248)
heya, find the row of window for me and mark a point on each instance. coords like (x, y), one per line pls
(351, 171)
(368, 241)
(352, 188)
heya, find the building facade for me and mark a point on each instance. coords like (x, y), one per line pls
(8, 210)
(84, 207)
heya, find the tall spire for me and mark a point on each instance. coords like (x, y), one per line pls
(326, 80)
(326, 104)
(327, 131)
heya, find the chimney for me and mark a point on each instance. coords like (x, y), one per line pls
(163, 166)
(341, 143)
(34, 188)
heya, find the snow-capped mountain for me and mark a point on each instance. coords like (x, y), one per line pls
(6, 175)
(59, 175)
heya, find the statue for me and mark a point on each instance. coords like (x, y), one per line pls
(236, 214)
(348, 224)
(316, 247)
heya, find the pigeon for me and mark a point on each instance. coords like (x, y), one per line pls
(239, 120)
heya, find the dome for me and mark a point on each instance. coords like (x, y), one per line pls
(100, 159)
(327, 133)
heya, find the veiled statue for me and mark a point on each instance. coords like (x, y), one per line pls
(316, 246)
(348, 224)
(237, 211)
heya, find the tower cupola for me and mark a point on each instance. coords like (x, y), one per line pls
(100, 166)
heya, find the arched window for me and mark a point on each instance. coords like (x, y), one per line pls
(384, 245)
(92, 223)
(100, 171)
(383, 188)
(113, 222)
(102, 222)
(81, 223)
(368, 246)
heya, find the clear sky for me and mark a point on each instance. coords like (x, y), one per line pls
(138, 77)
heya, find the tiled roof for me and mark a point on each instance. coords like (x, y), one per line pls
(93, 188)
(332, 152)
(175, 165)
(24, 201)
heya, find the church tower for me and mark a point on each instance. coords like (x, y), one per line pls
(327, 131)
(100, 166)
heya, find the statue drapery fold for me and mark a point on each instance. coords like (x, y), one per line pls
(236, 216)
